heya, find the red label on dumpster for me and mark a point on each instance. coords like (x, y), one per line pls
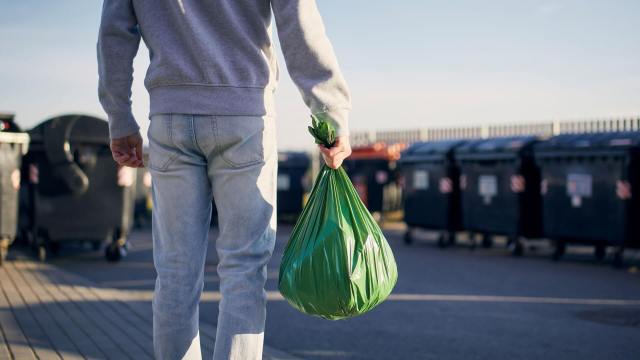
(517, 183)
(446, 185)
(34, 176)
(623, 190)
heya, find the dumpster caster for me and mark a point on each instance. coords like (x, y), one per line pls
(558, 252)
(42, 253)
(442, 240)
(116, 250)
(446, 239)
(517, 247)
(4, 250)
(618, 258)
(487, 241)
(408, 238)
(600, 252)
(114, 253)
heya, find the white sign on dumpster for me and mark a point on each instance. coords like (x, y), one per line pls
(284, 182)
(579, 186)
(420, 180)
(487, 187)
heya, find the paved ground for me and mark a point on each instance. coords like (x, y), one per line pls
(448, 304)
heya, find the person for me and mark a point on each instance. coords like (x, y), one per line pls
(211, 81)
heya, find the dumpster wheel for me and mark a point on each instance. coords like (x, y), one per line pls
(446, 239)
(41, 244)
(115, 251)
(408, 237)
(618, 257)
(4, 250)
(600, 252)
(516, 245)
(559, 250)
(487, 241)
(42, 253)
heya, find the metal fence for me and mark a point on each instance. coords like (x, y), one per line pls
(543, 129)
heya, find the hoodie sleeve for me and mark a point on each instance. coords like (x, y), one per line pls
(311, 61)
(118, 42)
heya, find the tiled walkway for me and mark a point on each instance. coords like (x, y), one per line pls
(48, 313)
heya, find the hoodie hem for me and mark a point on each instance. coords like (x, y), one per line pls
(211, 100)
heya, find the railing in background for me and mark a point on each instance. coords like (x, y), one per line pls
(543, 129)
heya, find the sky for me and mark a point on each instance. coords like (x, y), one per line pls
(409, 63)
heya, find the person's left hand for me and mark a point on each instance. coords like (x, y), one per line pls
(127, 151)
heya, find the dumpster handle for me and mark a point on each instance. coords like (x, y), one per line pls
(58, 151)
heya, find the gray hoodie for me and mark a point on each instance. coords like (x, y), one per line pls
(216, 57)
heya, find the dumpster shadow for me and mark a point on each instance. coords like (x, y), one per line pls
(539, 249)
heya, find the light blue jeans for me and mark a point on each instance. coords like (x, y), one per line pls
(191, 158)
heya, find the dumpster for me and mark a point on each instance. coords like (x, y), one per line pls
(372, 170)
(292, 183)
(588, 182)
(74, 190)
(500, 186)
(13, 145)
(431, 191)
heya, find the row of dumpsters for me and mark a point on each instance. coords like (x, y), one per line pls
(59, 184)
(567, 189)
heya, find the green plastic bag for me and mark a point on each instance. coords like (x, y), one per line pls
(337, 263)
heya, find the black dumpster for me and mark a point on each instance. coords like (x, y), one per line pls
(431, 191)
(500, 185)
(587, 184)
(372, 169)
(13, 145)
(75, 190)
(292, 183)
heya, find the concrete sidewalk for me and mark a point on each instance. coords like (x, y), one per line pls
(49, 313)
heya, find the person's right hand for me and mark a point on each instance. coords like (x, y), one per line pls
(334, 156)
(127, 151)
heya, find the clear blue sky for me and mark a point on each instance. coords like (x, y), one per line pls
(409, 63)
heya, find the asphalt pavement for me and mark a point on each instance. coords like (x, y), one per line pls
(453, 303)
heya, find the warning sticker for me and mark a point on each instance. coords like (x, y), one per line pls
(284, 182)
(420, 180)
(487, 187)
(579, 185)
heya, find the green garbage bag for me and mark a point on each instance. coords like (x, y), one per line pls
(337, 263)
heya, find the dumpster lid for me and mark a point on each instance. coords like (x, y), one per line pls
(608, 140)
(8, 124)
(506, 144)
(424, 150)
(10, 132)
(81, 128)
(7, 116)
(293, 159)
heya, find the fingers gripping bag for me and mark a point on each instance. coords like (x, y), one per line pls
(337, 263)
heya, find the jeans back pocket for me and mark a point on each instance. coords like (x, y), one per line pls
(242, 140)
(162, 151)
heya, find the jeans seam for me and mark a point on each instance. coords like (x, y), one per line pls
(193, 132)
(216, 135)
